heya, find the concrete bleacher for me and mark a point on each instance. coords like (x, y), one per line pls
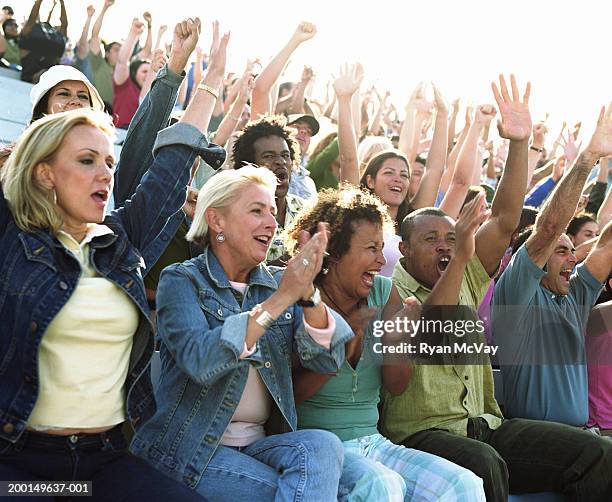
(16, 109)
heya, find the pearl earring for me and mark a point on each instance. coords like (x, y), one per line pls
(220, 237)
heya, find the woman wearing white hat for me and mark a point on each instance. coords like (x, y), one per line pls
(62, 88)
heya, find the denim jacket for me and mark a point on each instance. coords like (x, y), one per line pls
(203, 330)
(38, 276)
(152, 115)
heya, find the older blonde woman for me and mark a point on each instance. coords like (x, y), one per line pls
(228, 325)
(75, 340)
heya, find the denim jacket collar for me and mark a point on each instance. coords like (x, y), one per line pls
(259, 276)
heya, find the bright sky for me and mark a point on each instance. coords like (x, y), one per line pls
(561, 46)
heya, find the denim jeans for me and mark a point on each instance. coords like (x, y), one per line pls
(103, 459)
(296, 466)
(406, 474)
(527, 456)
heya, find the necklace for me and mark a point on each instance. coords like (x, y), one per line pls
(335, 305)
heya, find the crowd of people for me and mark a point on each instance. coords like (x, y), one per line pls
(260, 265)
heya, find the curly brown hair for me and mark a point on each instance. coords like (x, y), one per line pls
(341, 209)
(269, 125)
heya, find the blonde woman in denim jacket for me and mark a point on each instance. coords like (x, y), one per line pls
(228, 325)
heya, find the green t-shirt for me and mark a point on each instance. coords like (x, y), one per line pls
(102, 74)
(12, 54)
(320, 167)
(347, 404)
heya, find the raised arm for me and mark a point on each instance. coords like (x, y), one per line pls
(345, 86)
(95, 41)
(464, 170)
(604, 215)
(147, 50)
(158, 62)
(494, 236)
(83, 43)
(539, 137)
(560, 207)
(160, 33)
(32, 18)
(63, 29)
(151, 116)
(451, 160)
(407, 130)
(297, 99)
(599, 261)
(265, 81)
(232, 118)
(122, 68)
(436, 160)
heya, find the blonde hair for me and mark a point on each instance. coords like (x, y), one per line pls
(32, 205)
(222, 190)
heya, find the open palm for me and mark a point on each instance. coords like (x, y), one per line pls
(601, 141)
(515, 122)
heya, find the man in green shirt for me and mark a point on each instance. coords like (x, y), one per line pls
(9, 42)
(449, 409)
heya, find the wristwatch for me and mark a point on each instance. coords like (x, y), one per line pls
(313, 301)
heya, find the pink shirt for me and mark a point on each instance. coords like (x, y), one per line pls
(599, 366)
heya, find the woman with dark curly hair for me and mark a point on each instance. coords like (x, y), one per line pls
(269, 143)
(347, 403)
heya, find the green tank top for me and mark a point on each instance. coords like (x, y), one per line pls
(347, 404)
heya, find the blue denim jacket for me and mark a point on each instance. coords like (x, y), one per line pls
(136, 155)
(203, 330)
(37, 277)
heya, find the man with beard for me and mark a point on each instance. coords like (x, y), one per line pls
(450, 409)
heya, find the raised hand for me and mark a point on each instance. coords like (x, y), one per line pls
(484, 114)
(559, 168)
(184, 41)
(159, 60)
(91, 10)
(349, 80)
(303, 268)
(539, 134)
(570, 149)
(108, 3)
(304, 31)
(601, 141)
(515, 122)
(218, 57)
(147, 17)
(439, 102)
(137, 26)
(473, 214)
(307, 74)
(162, 29)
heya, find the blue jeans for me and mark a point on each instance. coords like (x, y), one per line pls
(103, 459)
(296, 466)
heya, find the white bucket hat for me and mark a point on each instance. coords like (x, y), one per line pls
(59, 73)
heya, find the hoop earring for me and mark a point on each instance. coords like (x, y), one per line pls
(220, 237)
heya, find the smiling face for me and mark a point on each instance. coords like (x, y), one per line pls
(273, 152)
(81, 173)
(354, 272)
(304, 134)
(248, 225)
(559, 267)
(430, 248)
(68, 95)
(586, 232)
(391, 182)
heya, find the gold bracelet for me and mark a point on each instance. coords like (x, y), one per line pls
(209, 89)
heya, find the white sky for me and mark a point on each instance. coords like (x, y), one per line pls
(563, 47)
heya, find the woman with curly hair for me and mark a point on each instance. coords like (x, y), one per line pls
(347, 403)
